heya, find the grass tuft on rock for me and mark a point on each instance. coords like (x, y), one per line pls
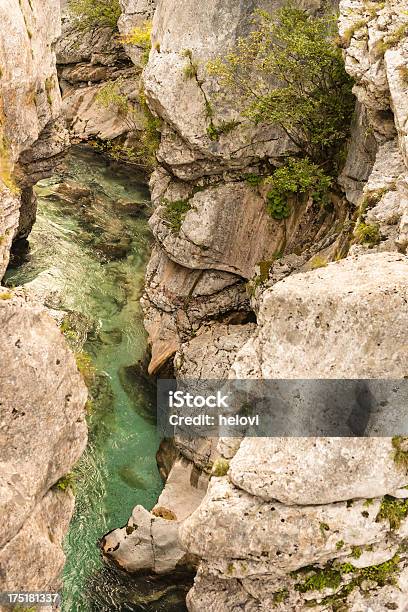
(175, 212)
(393, 510)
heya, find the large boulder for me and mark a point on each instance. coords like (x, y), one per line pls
(331, 322)
(312, 470)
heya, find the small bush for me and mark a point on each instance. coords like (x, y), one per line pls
(86, 368)
(253, 179)
(280, 596)
(110, 96)
(318, 262)
(92, 14)
(391, 40)
(144, 152)
(220, 467)
(296, 177)
(321, 579)
(356, 552)
(357, 25)
(277, 206)
(225, 127)
(66, 483)
(400, 454)
(394, 510)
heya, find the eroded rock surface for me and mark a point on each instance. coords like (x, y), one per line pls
(221, 230)
(32, 135)
(42, 434)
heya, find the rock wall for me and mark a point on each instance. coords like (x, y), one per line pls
(313, 506)
(42, 434)
(205, 253)
(42, 395)
(88, 61)
(32, 134)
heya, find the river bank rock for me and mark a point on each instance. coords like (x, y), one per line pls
(150, 540)
(43, 433)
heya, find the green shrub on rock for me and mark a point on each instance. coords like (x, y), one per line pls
(289, 72)
(367, 233)
(174, 213)
(296, 177)
(92, 14)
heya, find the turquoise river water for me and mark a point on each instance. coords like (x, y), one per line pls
(87, 254)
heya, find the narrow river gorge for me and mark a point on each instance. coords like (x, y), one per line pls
(86, 255)
(266, 240)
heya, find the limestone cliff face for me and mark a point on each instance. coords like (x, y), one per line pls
(333, 322)
(204, 257)
(32, 135)
(42, 434)
(293, 503)
(88, 61)
(42, 395)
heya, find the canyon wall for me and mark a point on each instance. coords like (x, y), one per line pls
(97, 67)
(285, 523)
(32, 134)
(42, 395)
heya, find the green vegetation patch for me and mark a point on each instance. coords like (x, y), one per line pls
(92, 14)
(141, 37)
(367, 233)
(393, 510)
(86, 368)
(400, 455)
(67, 482)
(295, 178)
(327, 578)
(140, 121)
(280, 596)
(175, 212)
(332, 577)
(220, 467)
(314, 102)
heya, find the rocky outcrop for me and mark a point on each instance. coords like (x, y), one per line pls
(255, 523)
(290, 523)
(348, 294)
(211, 226)
(150, 540)
(43, 433)
(376, 53)
(32, 136)
(42, 395)
(93, 60)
